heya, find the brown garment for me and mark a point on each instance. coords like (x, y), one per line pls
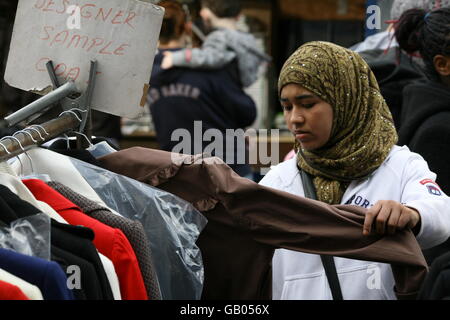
(247, 222)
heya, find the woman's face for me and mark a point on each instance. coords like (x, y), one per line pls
(309, 118)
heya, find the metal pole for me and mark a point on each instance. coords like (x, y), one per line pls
(42, 103)
(10, 147)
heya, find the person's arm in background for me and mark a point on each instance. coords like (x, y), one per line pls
(213, 54)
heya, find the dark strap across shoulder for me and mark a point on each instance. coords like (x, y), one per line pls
(327, 261)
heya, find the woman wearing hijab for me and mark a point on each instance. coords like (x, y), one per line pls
(345, 143)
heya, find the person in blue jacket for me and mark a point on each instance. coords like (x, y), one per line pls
(198, 110)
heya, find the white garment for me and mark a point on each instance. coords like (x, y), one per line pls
(112, 276)
(31, 291)
(59, 168)
(403, 177)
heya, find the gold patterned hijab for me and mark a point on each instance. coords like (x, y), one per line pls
(363, 132)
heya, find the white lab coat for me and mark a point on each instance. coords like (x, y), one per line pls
(403, 177)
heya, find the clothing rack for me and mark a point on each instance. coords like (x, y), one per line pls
(35, 135)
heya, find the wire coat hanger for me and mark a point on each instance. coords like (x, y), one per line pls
(25, 132)
(38, 132)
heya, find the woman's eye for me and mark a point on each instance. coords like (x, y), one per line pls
(309, 105)
(286, 107)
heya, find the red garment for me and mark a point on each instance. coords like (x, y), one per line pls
(9, 291)
(109, 241)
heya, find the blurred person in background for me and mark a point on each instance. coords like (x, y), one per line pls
(180, 97)
(224, 44)
(393, 68)
(426, 105)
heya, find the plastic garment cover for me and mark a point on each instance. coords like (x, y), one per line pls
(29, 236)
(172, 226)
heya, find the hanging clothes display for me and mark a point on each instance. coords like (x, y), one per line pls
(70, 246)
(133, 230)
(109, 241)
(100, 247)
(96, 268)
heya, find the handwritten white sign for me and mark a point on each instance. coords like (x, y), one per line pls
(121, 35)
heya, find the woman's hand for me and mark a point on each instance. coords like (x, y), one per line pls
(390, 216)
(167, 62)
